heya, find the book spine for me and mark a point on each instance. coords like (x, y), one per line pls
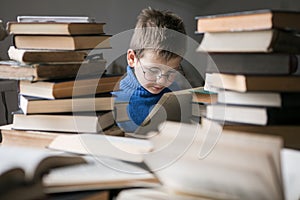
(252, 64)
(283, 116)
(285, 41)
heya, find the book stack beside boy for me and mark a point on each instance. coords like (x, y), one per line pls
(252, 65)
(62, 83)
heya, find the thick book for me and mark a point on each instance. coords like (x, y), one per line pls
(26, 138)
(69, 88)
(270, 99)
(39, 139)
(194, 160)
(172, 106)
(253, 115)
(249, 20)
(101, 173)
(54, 28)
(33, 105)
(252, 63)
(75, 123)
(243, 83)
(45, 56)
(123, 148)
(54, 18)
(22, 170)
(273, 40)
(161, 193)
(59, 42)
(200, 95)
(46, 71)
(289, 133)
(120, 111)
(290, 160)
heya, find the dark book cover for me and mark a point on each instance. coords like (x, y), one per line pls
(252, 63)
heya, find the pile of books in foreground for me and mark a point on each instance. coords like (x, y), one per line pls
(62, 81)
(37, 173)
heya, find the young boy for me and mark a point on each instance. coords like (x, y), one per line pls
(155, 54)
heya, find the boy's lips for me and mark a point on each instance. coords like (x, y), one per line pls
(157, 88)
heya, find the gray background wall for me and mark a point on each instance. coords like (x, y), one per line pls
(120, 15)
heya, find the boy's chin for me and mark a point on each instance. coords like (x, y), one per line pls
(155, 90)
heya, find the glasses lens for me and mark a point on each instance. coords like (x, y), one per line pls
(171, 76)
(152, 74)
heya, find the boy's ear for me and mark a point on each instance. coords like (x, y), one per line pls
(131, 58)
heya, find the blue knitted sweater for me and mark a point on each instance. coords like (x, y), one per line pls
(140, 100)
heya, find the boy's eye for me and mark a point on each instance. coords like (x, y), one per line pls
(154, 70)
(171, 72)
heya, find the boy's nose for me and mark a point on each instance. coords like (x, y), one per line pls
(162, 79)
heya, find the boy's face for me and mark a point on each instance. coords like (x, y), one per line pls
(153, 72)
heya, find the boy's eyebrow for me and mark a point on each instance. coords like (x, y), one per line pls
(152, 65)
(170, 70)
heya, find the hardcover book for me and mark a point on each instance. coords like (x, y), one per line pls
(79, 123)
(253, 115)
(269, 99)
(272, 40)
(34, 105)
(249, 20)
(46, 71)
(45, 56)
(54, 28)
(69, 87)
(60, 42)
(252, 63)
(243, 83)
(53, 18)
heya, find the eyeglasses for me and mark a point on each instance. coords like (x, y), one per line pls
(155, 73)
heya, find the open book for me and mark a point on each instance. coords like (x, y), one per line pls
(22, 169)
(192, 159)
(187, 159)
(172, 106)
(113, 162)
(99, 174)
(126, 149)
(290, 160)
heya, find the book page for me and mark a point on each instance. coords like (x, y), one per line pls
(99, 173)
(291, 174)
(160, 193)
(34, 162)
(233, 169)
(268, 144)
(128, 149)
(172, 106)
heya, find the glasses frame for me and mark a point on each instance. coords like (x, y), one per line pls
(159, 76)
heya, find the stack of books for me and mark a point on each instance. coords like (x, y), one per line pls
(62, 89)
(251, 65)
(54, 49)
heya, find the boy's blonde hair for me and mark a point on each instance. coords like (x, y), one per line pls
(160, 31)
